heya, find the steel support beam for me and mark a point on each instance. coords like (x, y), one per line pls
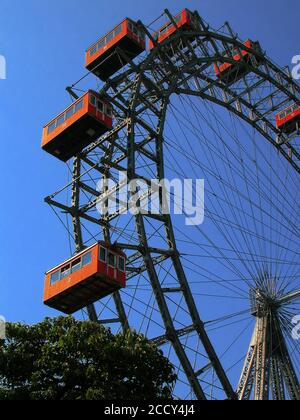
(146, 88)
(289, 298)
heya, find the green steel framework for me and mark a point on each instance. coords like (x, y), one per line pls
(145, 89)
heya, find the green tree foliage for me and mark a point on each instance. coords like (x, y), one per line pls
(64, 359)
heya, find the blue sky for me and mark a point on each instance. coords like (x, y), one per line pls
(43, 42)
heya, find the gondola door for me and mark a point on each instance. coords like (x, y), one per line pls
(112, 266)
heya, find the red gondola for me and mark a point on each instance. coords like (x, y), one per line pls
(230, 72)
(185, 20)
(89, 276)
(78, 126)
(101, 57)
(288, 120)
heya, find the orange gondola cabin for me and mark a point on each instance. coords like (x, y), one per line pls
(185, 20)
(91, 275)
(288, 120)
(230, 72)
(78, 126)
(102, 58)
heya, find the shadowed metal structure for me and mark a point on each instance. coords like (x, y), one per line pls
(141, 96)
(268, 369)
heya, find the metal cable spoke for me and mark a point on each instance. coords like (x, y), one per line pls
(176, 118)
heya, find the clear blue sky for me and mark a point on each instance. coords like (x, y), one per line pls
(44, 43)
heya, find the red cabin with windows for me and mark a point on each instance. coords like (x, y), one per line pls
(185, 20)
(229, 72)
(288, 120)
(78, 126)
(91, 275)
(101, 57)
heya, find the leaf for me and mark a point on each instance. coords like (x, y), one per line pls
(65, 359)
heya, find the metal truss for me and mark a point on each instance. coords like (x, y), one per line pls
(268, 371)
(182, 65)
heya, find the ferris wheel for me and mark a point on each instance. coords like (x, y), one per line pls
(220, 298)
